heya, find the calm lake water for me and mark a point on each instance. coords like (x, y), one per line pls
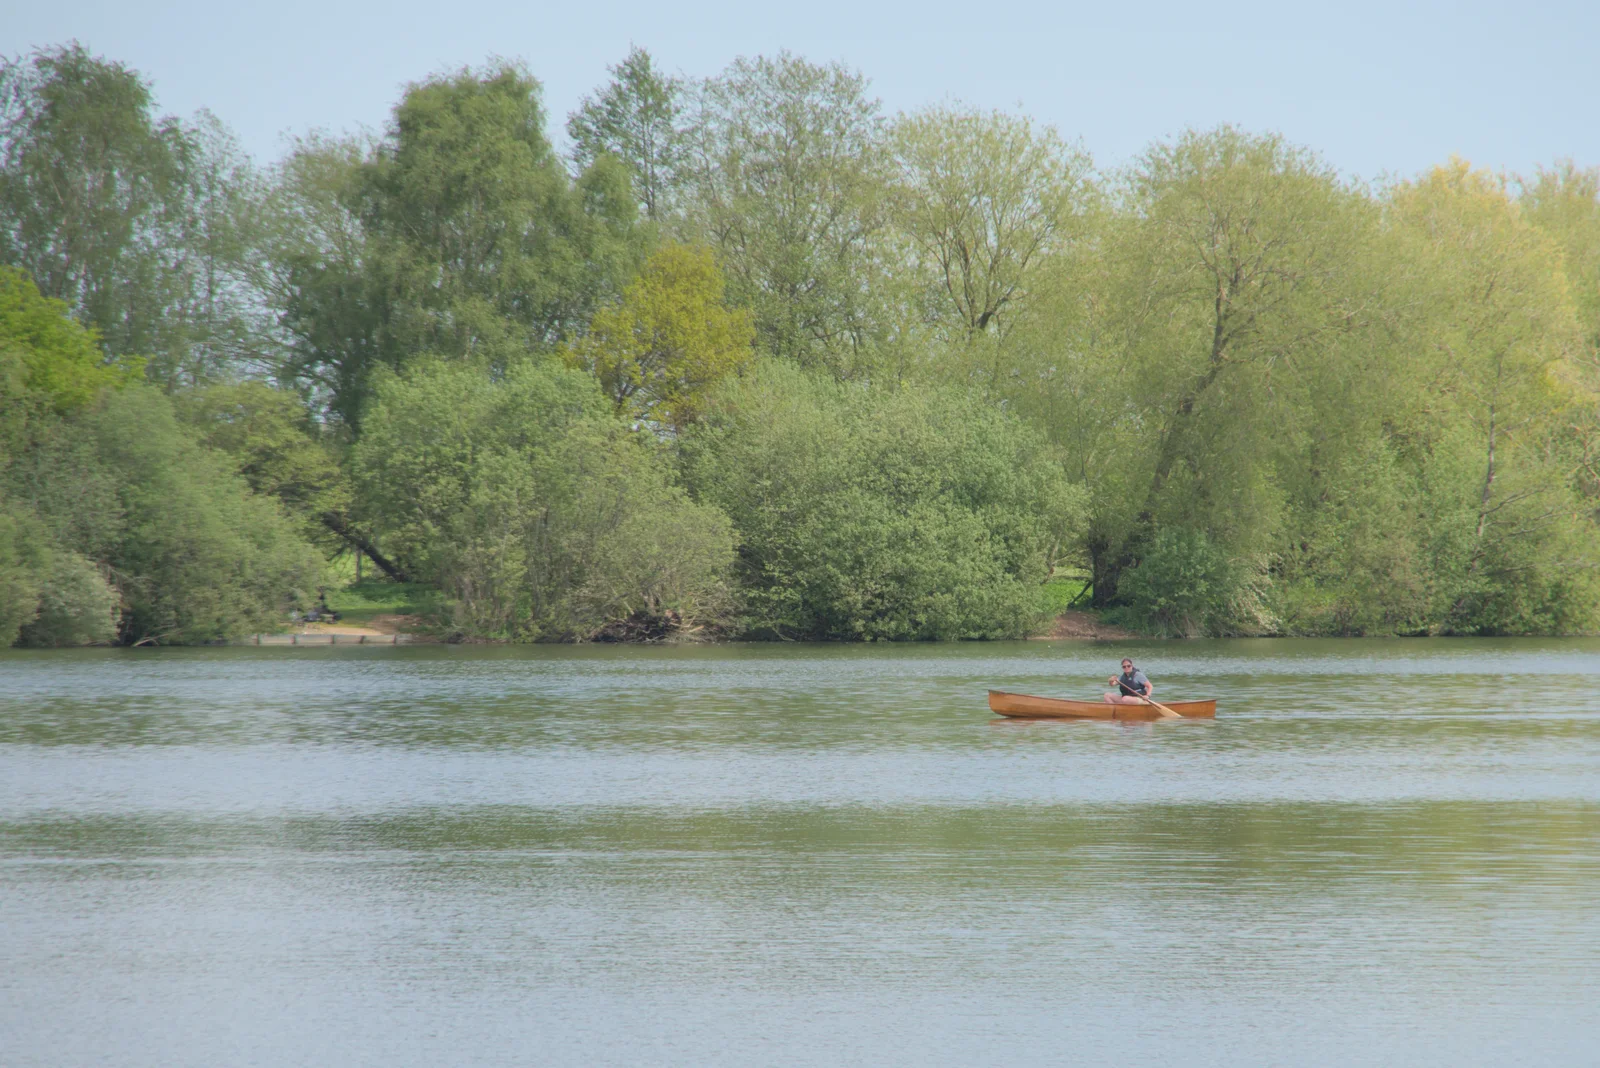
(1381, 852)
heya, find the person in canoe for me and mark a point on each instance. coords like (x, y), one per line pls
(1132, 686)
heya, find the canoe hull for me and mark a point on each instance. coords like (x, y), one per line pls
(1022, 706)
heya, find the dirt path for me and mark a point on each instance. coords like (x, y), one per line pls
(374, 627)
(1083, 625)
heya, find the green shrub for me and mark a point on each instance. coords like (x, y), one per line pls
(76, 605)
(21, 560)
(193, 555)
(863, 514)
(1186, 586)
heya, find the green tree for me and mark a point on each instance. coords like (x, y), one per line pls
(668, 340)
(1202, 358)
(459, 235)
(58, 359)
(487, 243)
(77, 604)
(22, 563)
(193, 554)
(636, 120)
(279, 451)
(317, 273)
(540, 515)
(121, 524)
(984, 199)
(1186, 586)
(787, 179)
(1564, 202)
(1513, 549)
(85, 172)
(142, 225)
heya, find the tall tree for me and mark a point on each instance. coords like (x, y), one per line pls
(483, 239)
(316, 274)
(984, 200)
(1504, 385)
(670, 338)
(635, 119)
(86, 169)
(459, 235)
(139, 223)
(1198, 341)
(788, 176)
(1564, 202)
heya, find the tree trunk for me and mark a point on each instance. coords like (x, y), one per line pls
(1488, 481)
(1105, 569)
(336, 523)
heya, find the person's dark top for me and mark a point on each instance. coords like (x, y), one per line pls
(1132, 683)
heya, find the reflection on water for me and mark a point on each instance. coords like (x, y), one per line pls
(1380, 852)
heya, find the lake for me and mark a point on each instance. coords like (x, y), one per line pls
(1381, 852)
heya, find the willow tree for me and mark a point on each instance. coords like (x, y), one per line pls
(1513, 543)
(1215, 314)
(1564, 202)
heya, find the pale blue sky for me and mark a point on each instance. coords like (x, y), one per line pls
(1375, 87)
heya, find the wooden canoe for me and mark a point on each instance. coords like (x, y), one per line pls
(1022, 706)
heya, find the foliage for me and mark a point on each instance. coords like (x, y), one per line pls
(117, 523)
(458, 234)
(59, 359)
(277, 449)
(864, 514)
(983, 199)
(1564, 203)
(668, 340)
(786, 180)
(142, 225)
(636, 120)
(1207, 351)
(76, 605)
(315, 274)
(1508, 528)
(359, 602)
(538, 514)
(23, 560)
(1063, 592)
(922, 364)
(1185, 586)
(192, 553)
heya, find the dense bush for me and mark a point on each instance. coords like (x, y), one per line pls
(76, 605)
(868, 514)
(539, 514)
(115, 522)
(193, 554)
(1185, 586)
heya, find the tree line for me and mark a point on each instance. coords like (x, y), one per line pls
(754, 358)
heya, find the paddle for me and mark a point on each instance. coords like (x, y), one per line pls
(1166, 713)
